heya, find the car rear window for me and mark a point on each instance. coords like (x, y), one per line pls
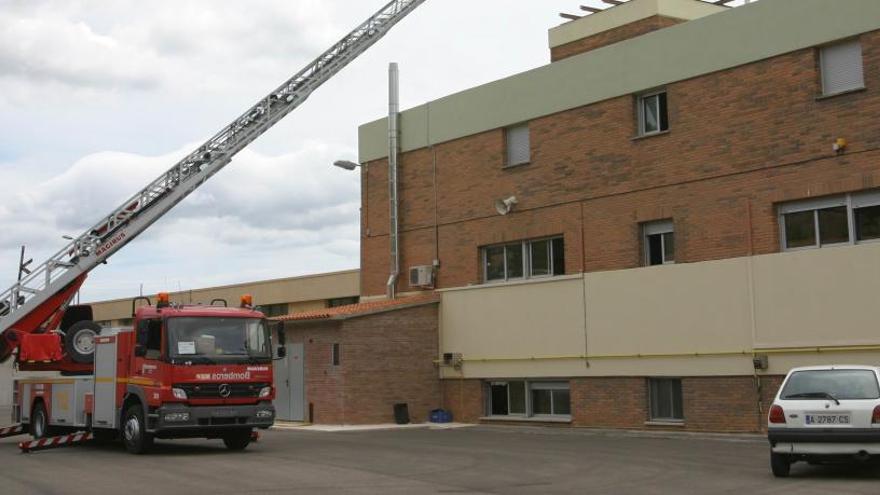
(840, 384)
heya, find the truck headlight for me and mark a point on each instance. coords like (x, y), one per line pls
(178, 393)
(176, 417)
(265, 392)
(265, 414)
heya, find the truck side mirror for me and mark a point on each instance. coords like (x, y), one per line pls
(140, 350)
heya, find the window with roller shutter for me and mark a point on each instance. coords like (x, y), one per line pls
(842, 67)
(518, 145)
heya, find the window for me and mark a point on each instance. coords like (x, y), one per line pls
(104, 323)
(653, 113)
(334, 355)
(841, 384)
(830, 221)
(842, 68)
(665, 399)
(524, 259)
(658, 243)
(342, 301)
(270, 310)
(150, 337)
(528, 399)
(518, 145)
(126, 322)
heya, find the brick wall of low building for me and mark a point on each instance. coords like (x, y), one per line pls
(323, 381)
(711, 404)
(740, 142)
(388, 358)
(612, 36)
(385, 358)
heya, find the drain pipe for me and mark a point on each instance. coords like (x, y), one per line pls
(393, 149)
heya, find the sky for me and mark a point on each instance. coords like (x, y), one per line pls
(99, 97)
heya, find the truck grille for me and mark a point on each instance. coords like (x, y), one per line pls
(212, 390)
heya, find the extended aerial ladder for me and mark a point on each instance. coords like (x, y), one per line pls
(38, 302)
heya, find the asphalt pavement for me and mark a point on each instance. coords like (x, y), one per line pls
(477, 460)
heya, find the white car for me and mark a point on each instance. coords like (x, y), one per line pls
(825, 413)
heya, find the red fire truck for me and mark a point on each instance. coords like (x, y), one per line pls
(180, 372)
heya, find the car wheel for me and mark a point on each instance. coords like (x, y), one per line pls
(134, 431)
(238, 440)
(780, 464)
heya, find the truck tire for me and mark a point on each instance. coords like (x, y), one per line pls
(780, 464)
(39, 421)
(134, 431)
(79, 341)
(237, 440)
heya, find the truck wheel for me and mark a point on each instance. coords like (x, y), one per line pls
(238, 440)
(134, 431)
(39, 422)
(79, 341)
(780, 464)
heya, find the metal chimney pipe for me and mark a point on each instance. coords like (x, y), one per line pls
(393, 149)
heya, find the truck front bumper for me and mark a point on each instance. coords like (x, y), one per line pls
(177, 420)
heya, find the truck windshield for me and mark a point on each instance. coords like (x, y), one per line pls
(831, 385)
(210, 339)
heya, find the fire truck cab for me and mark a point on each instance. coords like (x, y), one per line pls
(180, 372)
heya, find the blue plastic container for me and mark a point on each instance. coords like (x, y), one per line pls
(440, 416)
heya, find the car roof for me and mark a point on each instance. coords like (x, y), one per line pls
(830, 367)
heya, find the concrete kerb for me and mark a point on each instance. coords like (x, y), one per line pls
(294, 426)
(538, 430)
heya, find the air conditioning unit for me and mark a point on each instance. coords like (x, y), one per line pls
(421, 276)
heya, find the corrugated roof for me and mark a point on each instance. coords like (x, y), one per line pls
(360, 309)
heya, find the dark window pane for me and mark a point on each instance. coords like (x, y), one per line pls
(833, 225)
(540, 258)
(514, 261)
(655, 251)
(651, 114)
(800, 229)
(561, 402)
(669, 247)
(558, 256)
(666, 399)
(499, 400)
(542, 402)
(335, 356)
(495, 263)
(517, 397)
(868, 223)
(664, 113)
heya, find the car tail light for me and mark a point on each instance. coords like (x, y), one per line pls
(777, 415)
(875, 419)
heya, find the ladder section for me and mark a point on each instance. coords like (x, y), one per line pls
(136, 214)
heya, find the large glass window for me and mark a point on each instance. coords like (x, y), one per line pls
(665, 399)
(527, 399)
(830, 221)
(270, 310)
(525, 259)
(210, 339)
(653, 113)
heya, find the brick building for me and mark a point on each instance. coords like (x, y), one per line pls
(693, 191)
